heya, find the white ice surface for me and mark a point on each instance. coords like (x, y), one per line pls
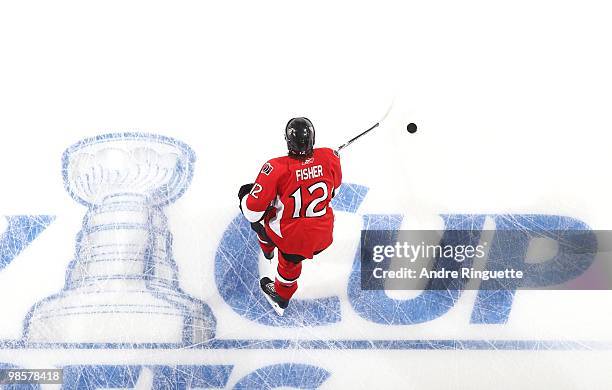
(512, 103)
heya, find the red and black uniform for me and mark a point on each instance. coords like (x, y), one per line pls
(293, 197)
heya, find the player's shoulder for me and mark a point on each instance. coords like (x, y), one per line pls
(280, 161)
(275, 164)
(326, 152)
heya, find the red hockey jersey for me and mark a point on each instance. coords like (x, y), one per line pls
(297, 195)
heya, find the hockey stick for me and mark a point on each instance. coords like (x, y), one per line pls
(367, 131)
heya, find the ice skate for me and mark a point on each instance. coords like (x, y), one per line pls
(278, 304)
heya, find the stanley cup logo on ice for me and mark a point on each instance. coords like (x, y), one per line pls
(123, 277)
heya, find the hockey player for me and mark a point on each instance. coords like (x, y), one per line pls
(289, 208)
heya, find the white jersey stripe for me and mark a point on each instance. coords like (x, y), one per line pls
(275, 222)
(250, 215)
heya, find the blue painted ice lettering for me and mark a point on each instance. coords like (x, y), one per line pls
(20, 231)
(180, 377)
(577, 246)
(298, 376)
(434, 301)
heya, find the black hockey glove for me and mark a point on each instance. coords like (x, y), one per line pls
(242, 192)
(245, 189)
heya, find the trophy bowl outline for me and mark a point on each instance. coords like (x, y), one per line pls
(184, 164)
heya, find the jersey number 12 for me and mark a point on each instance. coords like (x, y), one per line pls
(310, 208)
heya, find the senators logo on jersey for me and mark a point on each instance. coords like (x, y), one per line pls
(267, 169)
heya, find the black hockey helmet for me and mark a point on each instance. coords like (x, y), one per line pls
(300, 137)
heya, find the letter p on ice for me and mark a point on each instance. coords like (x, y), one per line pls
(577, 247)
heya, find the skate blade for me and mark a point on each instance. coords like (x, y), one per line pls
(279, 310)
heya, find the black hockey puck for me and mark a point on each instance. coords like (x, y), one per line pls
(411, 128)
